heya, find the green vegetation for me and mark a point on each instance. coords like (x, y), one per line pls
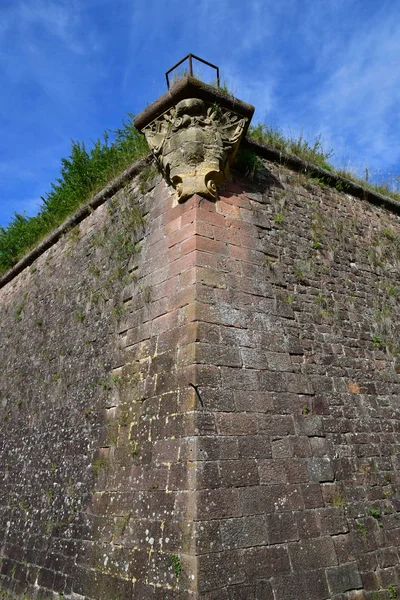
(314, 152)
(82, 174)
(87, 171)
(147, 294)
(123, 523)
(388, 187)
(279, 218)
(18, 312)
(338, 501)
(179, 74)
(176, 563)
(79, 316)
(99, 464)
(377, 341)
(248, 162)
(134, 447)
(376, 514)
(361, 528)
(120, 243)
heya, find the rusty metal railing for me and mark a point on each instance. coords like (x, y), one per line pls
(191, 57)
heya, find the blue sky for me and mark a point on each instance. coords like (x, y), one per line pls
(71, 68)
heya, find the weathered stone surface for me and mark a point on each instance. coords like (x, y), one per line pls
(88, 446)
(194, 132)
(276, 475)
(343, 578)
(194, 144)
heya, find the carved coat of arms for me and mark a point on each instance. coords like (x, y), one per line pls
(194, 144)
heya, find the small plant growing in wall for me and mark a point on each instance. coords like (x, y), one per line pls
(300, 275)
(316, 243)
(117, 312)
(389, 234)
(73, 234)
(217, 109)
(123, 418)
(176, 564)
(18, 312)
(321, 300)
(338, 501)
(98, 465)
(361, 529)
(79, 316)
(317, 231)
(378, 342)
(123, 523)
(248, 161)
(24, 506)
(392, 592)
(376, 514)
(320, 181)
(105, 384)
(49, 494)
(115, 380)
(279, 218)
(339, 186)
(134, 447)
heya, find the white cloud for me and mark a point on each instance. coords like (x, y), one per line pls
(358, 95)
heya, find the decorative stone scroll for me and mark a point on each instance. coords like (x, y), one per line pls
(194, 144)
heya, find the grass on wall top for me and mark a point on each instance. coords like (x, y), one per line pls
(82, 174)
(85, 172)
(315, 154)
(312, 152)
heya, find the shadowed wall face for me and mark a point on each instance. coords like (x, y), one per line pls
(298, 341)
(278, 479)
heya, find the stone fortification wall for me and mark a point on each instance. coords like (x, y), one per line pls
(298, 341)
(200, 400)
(93, 443)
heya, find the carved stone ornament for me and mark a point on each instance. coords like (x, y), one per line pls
(194, 144)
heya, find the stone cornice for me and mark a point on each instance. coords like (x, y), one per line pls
(190, 87)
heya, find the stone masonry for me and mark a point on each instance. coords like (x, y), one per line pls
(200, 400)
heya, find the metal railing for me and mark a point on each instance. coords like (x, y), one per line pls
(191, 57)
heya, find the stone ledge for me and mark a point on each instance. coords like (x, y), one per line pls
(190, 87)
(332, 179)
